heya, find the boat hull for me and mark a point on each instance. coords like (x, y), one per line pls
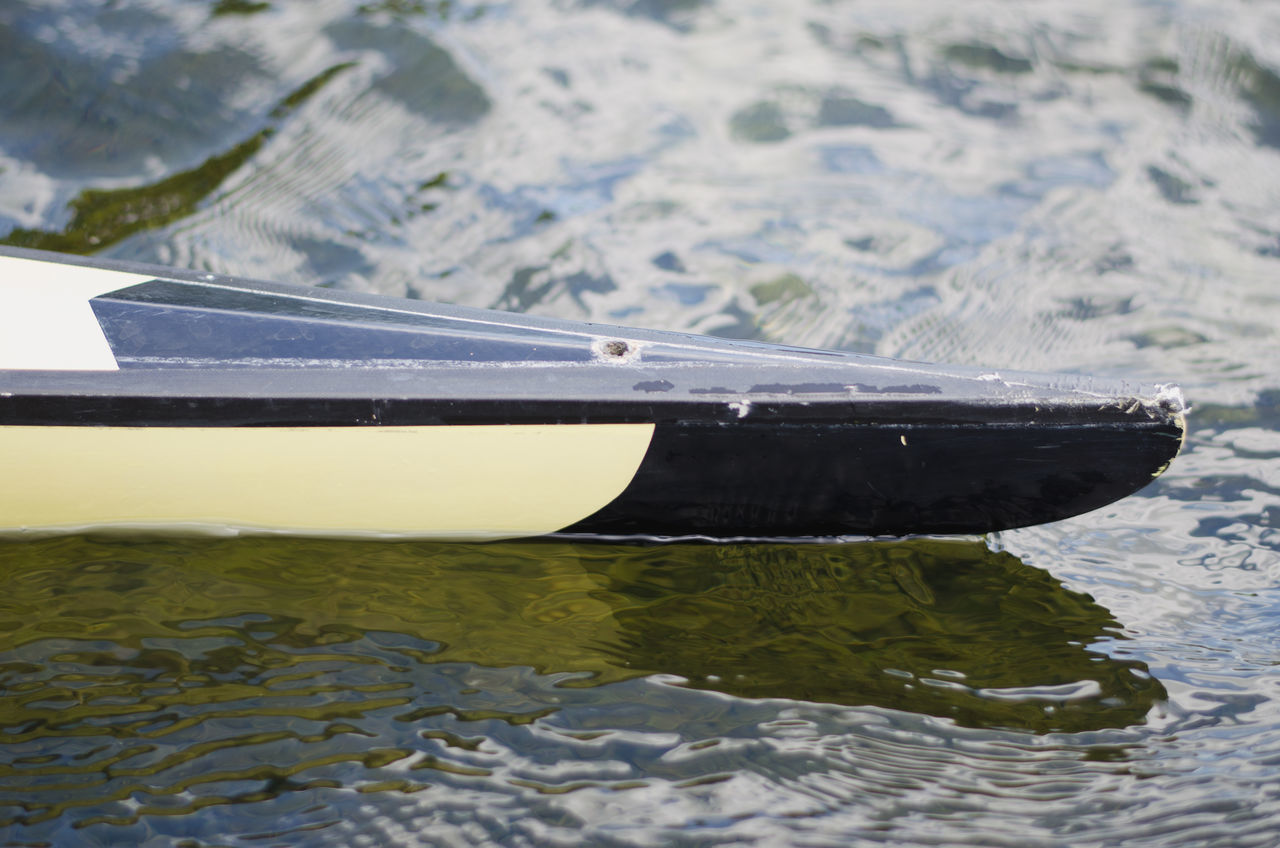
(144, 398)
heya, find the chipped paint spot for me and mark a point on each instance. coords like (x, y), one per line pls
(615, 350)
(1169, 397)
(654, 386)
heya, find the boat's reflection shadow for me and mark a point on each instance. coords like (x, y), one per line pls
(948, 628)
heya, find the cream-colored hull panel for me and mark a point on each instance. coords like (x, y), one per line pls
(467, 482)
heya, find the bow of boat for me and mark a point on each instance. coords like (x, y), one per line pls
(273, 408)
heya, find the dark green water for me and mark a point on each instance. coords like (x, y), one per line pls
(171, 688)
(1075, 186)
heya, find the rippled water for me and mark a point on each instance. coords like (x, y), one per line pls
(1076, 186)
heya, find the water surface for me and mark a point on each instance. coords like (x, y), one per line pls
(1086, 187)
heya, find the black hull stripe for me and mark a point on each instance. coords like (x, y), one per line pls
(760, 479)
(176, 410)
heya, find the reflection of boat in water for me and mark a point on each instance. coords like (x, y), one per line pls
(139, 397)
(946, 628)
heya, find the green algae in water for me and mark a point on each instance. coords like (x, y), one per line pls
(238, 7)
(102, 217)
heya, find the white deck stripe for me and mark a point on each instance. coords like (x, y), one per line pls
(46, 322)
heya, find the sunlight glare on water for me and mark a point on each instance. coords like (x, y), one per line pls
(1084, 187)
